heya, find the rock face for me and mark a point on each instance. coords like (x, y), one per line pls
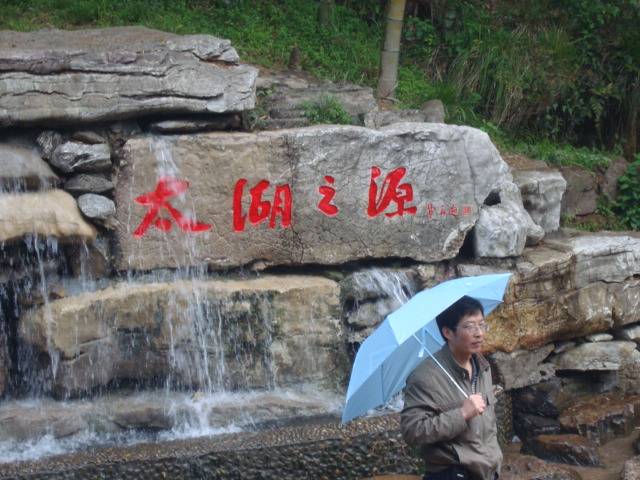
(598, 356)
(57, 76)
(208, 334)
(522, 368)
(81, 157)
(505, 228)
(21, 168)
(441, 177)
(542, 195)
(602, 418)
(581, 195)
(53, 213)
(567, 288)
(571, 449)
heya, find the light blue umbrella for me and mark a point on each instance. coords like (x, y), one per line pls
(387, 357)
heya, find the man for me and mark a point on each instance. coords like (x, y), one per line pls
(456, 436)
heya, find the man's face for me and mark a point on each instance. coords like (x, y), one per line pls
(468, 335)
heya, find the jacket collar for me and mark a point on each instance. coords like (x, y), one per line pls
(453, 365)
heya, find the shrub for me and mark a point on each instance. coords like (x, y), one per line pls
(326, 109)
(628, 202)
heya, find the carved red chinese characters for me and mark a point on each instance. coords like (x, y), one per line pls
(260, 209)
(390, 191)
(157, 201)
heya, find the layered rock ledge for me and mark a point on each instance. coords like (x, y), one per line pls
(59, 77)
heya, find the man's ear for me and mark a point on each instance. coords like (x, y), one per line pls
(448, 333)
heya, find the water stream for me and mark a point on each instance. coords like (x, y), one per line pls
(210, 354)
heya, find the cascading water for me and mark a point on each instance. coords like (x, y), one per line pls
(213, 372)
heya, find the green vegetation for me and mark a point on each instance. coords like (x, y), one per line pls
(558, 80)
(627, 205)
(326, 109)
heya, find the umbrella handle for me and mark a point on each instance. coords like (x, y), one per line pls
(441, 367)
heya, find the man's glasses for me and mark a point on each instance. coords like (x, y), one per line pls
(473, 328)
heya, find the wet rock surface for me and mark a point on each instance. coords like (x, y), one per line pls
(279, 330)
(603, 417)
(58, 76)
(522, 368)
(83, 183)
(567, 448)
(22, 168)
(527, 467)
(53, 213)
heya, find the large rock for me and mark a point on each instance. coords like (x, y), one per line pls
(598, 356)
(56, 76)
(542, 195)
(522, 368)
(505, 228)
(53, 213)
(22, 168)
(602, 417)
(581, 196)
(450, 169)
(569, 287)
(571, 449)
(210, 334)
(81, 157)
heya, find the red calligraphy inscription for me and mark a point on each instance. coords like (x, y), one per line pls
(158, 200)
(325, 205)
(390, 191)
(260, 209)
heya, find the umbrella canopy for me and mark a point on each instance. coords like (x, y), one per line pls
(387, 357)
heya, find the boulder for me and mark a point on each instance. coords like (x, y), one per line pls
(522, 368)
(527, 467)
(56, 76)
(602, 418)
(84, 183)
(441, 173)
(22, 168)
(549, 398)
(527, 425)
(572, 286)
(571, 449)
(598, 356)
(542, 192)
(581, 195)
(96, 207)
(81, 157)
(609, 181)
(53, 213)
(503, 229)
(211, 334)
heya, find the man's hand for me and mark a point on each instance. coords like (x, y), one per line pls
(473, 406)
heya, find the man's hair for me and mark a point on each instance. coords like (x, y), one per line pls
(451, 316)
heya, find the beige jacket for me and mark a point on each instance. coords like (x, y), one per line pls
(432, 420)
